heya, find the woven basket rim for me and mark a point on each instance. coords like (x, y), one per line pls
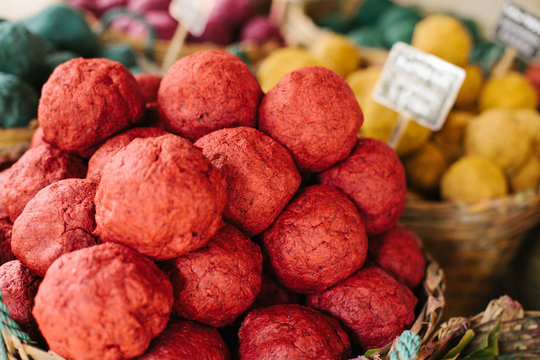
(529, 197)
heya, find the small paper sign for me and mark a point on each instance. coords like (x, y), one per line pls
(418, 85)
(519, 29)
(192, 14)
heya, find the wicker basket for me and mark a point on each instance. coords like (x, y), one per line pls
(473, 243)
(515, 334)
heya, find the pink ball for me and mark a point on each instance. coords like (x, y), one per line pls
(260, 30)
(142, 6)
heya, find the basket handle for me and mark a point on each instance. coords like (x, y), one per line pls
(112, 14)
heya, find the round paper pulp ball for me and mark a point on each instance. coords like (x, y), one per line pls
(280, 62)
(19, 287)
(85, 101)
(103, 302)
(261, 175)
(317, 242)
(372, 306)
(160, 196)
(58, 220)
(207, 91)
(38, 167)
(443, 36)
(187, 340)
(22, 51)
(496, 135)
(511, 90)
(111, 147)
(284, 332)
(313, 112)
(398, 252)
(216, 283)
(374, 178)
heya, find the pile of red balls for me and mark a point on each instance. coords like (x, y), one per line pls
(148, 221)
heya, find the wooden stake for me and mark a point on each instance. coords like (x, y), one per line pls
(505, 63)
(175, 47)
(398, 131)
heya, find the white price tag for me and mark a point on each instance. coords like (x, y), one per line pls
(192, 14)
(418, 85)
(519, 29)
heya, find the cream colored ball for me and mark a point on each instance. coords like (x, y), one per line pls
(443, 36)
(496, 135)
(336, 52)
(472, 179)
(281, 62)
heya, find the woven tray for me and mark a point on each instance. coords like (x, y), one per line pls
(473, 243)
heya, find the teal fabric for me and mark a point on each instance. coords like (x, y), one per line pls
(370, 11)
(65, 29)
(397, 24)
(56, 58)
(336, 22)
(18, 102)
(123, 53)
(368, 36)
(22, 52)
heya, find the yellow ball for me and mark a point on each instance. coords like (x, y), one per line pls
(528, 175)
(336, 52)
(443, 36)
(362, 82)
(450, 138)
(281, 62)
(496, 135)
(424, 169)
(470, 89)
(529, 121)
(511, 91)
(380, 120)
(472, 179)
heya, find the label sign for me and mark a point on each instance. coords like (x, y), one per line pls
(192, 14)
(418, 85)
(519, 29)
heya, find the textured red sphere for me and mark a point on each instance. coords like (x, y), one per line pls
(102, 302)
(160, 196)
(85, 101)
(317, 242)
(58, 220)
(104, 154)
(313, 112)
(374, 179)
(19, 287)
(218, 282)
(38, 167)
(187, 340)
(372, 305)
(398, 252)
(207, 91)
(285, 332)
(260, 173)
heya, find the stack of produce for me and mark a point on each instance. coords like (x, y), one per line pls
(144, 240)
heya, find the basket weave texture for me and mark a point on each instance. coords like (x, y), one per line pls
(474, 244)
